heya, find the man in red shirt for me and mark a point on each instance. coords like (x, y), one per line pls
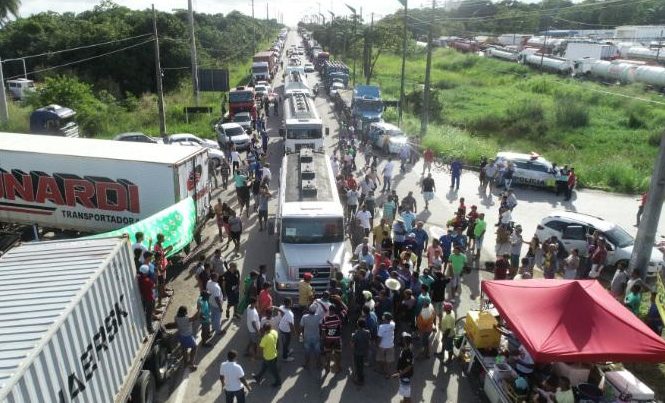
(640, 209)
(501, 267)
(147, 288)
(265, 299)
(572, 182)
(428, 158)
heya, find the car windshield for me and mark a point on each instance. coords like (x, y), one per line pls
(619, 237)
(241, 118)
(395, 133)
(304, 133)
(234, 131)
(260, 88)
(307, 230)
(241, 96)
(260, 69)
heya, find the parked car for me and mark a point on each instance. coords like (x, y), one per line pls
(232, 133)
(335, 87)
(529, 169)
(261, 91)
(244, 119)
(309, 68)
(573, 229)
(387, 137)
(137, 137)
(188, 139)
(215, 154)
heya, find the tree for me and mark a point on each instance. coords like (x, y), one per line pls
(7, 8)
(385, 36)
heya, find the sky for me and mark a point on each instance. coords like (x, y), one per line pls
(292, 10)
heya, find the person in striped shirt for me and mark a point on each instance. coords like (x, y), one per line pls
(331, 332)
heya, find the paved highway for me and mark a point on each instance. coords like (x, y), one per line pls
(433, 381)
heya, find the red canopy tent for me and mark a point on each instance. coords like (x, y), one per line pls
(573, 321)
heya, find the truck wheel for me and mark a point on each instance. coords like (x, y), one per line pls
(144, 388)
(158, 362)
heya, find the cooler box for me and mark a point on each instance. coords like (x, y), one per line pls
(480, 329)
(627, 388)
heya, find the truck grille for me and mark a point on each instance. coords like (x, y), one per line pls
(304, 145)
(320, 277)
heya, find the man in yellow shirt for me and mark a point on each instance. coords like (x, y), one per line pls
(305, 299)
(447, 327)
(379, 233)
(268, 347)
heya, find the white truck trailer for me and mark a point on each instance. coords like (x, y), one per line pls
(73, 327)
(93, 186)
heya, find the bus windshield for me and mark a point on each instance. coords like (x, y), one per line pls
(304, 133)
(307, 230)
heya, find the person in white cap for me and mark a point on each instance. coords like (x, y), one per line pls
(405, 368)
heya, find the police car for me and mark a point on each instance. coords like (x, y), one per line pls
(529, 169)
(387, 137)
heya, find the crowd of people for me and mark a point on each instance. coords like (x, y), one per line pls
(398, 303)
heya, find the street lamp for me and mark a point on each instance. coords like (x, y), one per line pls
(401, 87)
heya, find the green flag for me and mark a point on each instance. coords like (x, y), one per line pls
(176, 223)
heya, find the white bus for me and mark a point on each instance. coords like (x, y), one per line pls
(303, 126)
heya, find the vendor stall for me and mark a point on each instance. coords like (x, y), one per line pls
(570, 328)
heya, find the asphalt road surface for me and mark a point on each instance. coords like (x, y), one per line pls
(433, 381)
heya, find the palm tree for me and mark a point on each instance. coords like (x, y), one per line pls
(8, 7)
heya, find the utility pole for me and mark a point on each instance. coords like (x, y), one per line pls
(660, 43)
(542, 53)
(4, 113)
(192, 49)
(428, 67)
(267, 13)
(158, 77)
(369, 50)
(253, 31)
(401, 86)
(646, 232)
(353, 41)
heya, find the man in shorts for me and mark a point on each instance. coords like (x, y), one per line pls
(428, 187)
(331, 328)
(386, 353)
(263, 198)
(447, 327)
(479, 228)
(405, 368)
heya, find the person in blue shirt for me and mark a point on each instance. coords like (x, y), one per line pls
(421, 239)
(459, 239)
(409, 219)
(455, 173)
(446, 242)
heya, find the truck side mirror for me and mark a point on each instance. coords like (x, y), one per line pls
(327, 131)
(282, 132)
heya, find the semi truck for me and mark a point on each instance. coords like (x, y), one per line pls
(54, 120)
(93, 186)
(263, 66)
(309, 224)
(334, 71)
(78, 333)
(363, 105)
(241, 99)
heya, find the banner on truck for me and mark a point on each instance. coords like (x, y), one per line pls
(177, 223)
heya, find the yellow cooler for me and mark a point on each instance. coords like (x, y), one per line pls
(480, 327)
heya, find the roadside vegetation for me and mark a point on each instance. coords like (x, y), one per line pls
(484, 105)
(116, 93)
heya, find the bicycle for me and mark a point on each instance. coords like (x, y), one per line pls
(442, 163)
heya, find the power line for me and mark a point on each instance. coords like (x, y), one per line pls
(55, 52)
(85, 59)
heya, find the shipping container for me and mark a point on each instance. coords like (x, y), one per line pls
(584, 50)
(72, 325)
(94, 186)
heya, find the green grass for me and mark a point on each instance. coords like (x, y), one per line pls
(489, 105)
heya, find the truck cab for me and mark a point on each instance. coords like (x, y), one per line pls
(309, 224)
(260, 71)
(54, 120)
